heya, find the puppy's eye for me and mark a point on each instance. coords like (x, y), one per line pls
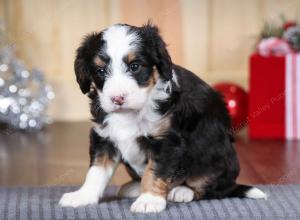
(134, 67)
(100, 71)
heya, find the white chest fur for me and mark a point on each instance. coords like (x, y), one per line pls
(123, 128)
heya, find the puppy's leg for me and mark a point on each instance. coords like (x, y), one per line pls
(198, 184)
(103, 163)
(130, 190)
(95, 183)
(153, 192)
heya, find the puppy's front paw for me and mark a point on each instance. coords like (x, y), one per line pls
(181, 194)
(147, 202)
(78, 198)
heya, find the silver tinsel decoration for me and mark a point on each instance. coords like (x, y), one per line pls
(24, 96)
(292, 36)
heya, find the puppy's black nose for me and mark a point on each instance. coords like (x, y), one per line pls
(118, 100)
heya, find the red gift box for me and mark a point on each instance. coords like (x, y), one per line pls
(274, 97)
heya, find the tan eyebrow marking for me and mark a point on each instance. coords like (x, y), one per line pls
(99, 62)
(153, 79)
(130, 57)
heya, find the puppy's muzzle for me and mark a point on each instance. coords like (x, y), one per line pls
(118, 100)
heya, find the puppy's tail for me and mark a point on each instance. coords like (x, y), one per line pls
(245, 191)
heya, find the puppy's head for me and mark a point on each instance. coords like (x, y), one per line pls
(123, 63)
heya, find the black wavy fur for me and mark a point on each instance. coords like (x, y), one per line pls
(198, 143)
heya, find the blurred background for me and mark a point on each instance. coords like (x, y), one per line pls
(213, 38)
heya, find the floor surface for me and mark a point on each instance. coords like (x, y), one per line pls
(59, 156)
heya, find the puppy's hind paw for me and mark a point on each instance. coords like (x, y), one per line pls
(129, 190)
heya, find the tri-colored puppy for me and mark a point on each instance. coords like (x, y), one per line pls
(169, 128)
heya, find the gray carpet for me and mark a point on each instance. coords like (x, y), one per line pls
(41, 203)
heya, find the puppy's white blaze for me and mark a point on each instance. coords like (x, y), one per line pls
(119, 42)
(256, 193)
(148, 202)
(95, 183)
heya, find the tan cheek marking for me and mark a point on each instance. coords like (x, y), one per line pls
(155, 75)
(152, 184)
(99, 62)
(153, 79)
(165, 123)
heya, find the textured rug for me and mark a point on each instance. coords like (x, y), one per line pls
(41, 203)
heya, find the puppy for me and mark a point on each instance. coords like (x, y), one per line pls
(168, 127)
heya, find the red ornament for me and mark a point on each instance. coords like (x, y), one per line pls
(289, 24)
(236, 99)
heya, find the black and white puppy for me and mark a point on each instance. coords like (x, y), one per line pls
(169, 128)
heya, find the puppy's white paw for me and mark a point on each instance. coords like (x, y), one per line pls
(147, 202)
(130, 190)
(78, 198)
(256, 193)
(181, 194)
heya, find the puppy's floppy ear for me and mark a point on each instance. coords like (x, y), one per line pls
(160, 53)
(84, 57)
